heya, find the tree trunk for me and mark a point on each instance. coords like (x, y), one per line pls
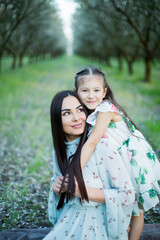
(148, 66)
(21, 60)
(0, 62)
(108, 62)
(30, 60)
(120, 65)
(130, 67)
(13, 62)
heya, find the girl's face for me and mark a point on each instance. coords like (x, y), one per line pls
(73, 118)
(91, 91)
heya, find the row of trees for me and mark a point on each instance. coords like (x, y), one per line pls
(125, 29)
(30, 28)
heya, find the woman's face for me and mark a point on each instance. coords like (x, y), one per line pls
(73, 118)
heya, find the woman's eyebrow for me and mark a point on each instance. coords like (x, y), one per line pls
(79, 106)
(67, 109)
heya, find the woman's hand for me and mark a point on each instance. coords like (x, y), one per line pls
(58, 183)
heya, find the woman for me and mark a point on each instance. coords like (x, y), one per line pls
(96, 203)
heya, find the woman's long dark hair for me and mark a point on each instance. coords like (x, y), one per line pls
(72, 169)
(109, 95)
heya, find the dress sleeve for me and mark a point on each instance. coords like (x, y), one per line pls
(53, 200)
(105, 106)
(118, 191)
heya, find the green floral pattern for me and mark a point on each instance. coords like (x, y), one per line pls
(151, 155)
(152, 193)
(141, 178)
(112, 125)
(137, 155)
(130, 124)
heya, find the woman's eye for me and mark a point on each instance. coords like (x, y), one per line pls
(65, 113)
(80, 110)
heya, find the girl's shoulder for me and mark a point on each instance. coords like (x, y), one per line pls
(106, 106)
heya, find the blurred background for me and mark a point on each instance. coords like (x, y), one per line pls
(43, 43)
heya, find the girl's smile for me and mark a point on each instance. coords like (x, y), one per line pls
(91, 101)
(91, 91)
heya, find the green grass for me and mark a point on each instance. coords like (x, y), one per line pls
(25, 135)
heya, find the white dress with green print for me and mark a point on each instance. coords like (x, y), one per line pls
(137, 155)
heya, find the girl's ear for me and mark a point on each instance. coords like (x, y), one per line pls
(105, 92)
(75, 89)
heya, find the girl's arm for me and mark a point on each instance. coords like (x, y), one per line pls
(102, 122)
(94, 194)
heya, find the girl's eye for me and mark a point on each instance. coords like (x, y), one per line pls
(80, 110)
(97, 90)
(84, 90)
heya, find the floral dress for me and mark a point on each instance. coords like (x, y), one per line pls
(93, 220)
(137, 155)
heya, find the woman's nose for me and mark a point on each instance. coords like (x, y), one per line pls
(75, 117)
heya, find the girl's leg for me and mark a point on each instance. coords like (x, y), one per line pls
(136, 227)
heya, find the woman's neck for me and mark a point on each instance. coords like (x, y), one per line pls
(70, 138)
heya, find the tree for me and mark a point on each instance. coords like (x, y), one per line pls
(12, 14)
(27, 24)
(104, 36)
(139, 25)
(144, 18)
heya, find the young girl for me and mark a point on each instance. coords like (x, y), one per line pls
(110, 123)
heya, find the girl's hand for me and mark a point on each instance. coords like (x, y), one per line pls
(57, 185)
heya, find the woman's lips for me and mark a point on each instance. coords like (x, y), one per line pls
(79, 125)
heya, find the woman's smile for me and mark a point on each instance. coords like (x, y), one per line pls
(73, 118)
(78, 125)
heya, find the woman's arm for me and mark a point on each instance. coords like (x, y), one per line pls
(102, 122)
